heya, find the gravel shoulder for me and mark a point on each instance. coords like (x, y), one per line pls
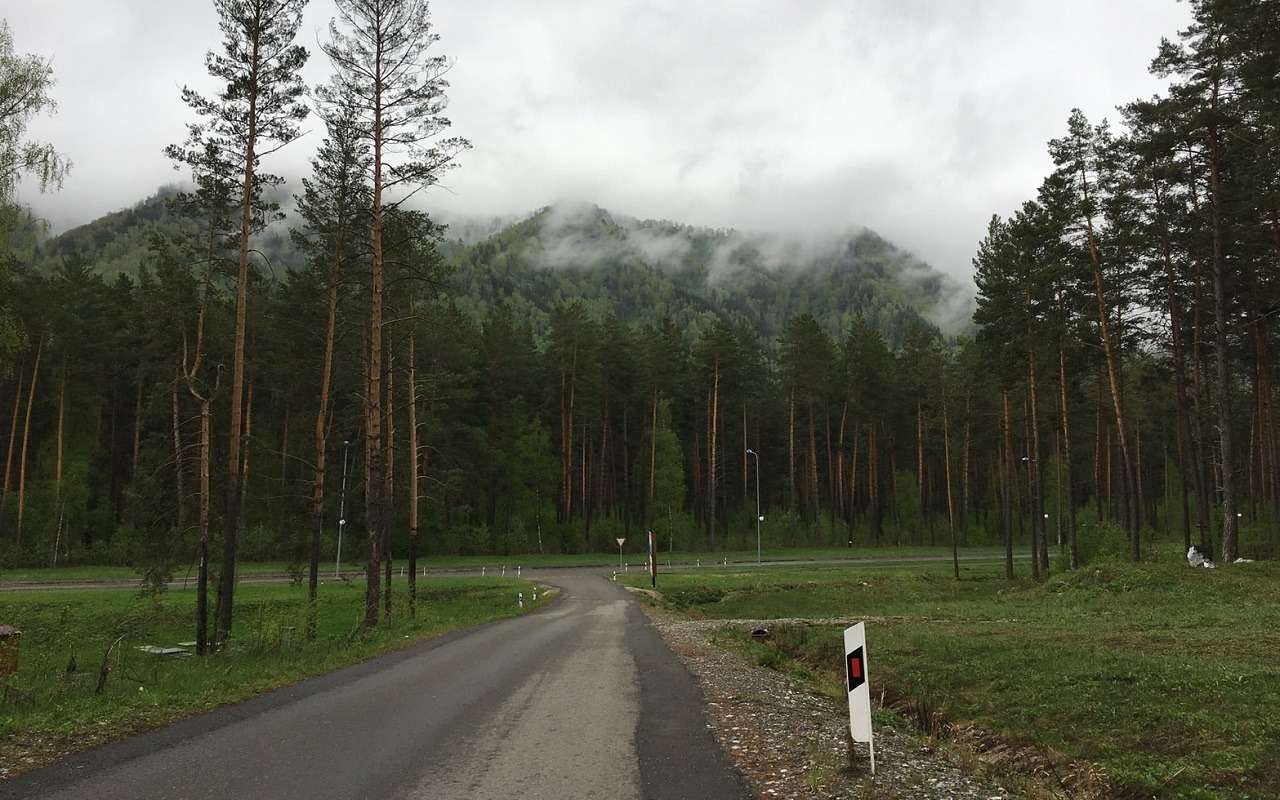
(790, 742)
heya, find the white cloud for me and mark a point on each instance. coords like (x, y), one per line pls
(916, 118)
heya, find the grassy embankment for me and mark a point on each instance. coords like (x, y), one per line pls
(635, 557)
(1164, 676)
(47, 711)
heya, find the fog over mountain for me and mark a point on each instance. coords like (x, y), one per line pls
(914, 119)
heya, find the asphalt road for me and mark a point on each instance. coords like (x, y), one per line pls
(579, 700)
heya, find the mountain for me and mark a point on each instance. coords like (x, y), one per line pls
(614, 264)
(650, 268)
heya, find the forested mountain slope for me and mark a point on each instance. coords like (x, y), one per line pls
(638, 270)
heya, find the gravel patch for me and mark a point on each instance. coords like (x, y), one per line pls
(792, 742)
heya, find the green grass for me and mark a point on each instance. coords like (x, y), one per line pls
(48, 712)
(1165, 676)
(532, 560)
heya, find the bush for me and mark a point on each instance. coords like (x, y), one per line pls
(1100, 540)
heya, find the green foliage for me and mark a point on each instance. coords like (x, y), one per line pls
(62, 712)
(1113, 640)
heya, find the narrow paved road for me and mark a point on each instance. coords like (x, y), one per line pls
(580, 700)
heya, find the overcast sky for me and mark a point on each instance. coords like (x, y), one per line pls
(916, 118)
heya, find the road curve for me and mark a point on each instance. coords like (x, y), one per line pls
(579, 700)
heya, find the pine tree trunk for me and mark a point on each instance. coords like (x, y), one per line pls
(13, 435)
(202, 578)
(811, 487)
(1226, 438)
(244, 466)
(1200, 400)
(920, 458)
(413, 480)
(57, 470)
(179, 477)
(231, 521)
(26, 440)
(388, 488)
(838, 495)
(653, 456)
(1033, 494)
(711, 455)
(1009, 486)
(966, 467)
(791, 447)
(137, 445)
(1179, 378)
(1037, 472)
(1064, 410)
(951, 507)
(376, 511)
(1113, 377)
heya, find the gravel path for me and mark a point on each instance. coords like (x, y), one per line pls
(791, 742)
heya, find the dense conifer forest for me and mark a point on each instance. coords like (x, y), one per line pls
(205, 372)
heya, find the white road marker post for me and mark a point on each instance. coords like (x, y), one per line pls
(482, 569)
(518, 569)
(521, 596)
(504, 570)
(855, 670)
(653, 559)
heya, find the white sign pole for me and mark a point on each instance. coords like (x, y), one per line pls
(620, 542)
(855, 667)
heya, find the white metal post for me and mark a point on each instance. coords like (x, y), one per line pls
(759, 519)
(342, 509)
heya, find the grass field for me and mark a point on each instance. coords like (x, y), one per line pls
(1168, 678)
(632, 555)
(47, 711)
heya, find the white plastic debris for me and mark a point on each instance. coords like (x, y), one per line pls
(1196, 559)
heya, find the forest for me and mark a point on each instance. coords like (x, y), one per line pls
(237, 367)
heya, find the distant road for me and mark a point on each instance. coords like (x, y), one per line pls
(580, 700)
(358, 575)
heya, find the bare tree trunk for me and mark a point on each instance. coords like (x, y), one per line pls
(1009, 484)
(951, 507)
(653, 454)
(373, 422)
(413, 480)
(838, 495)
(920, 458)
(811, 484)
(745, 491)
(388, 492)
(178, 460)
(1179, 378)
(57, 470)
(1040, 539)
(248, 439)
(1229, 521)
(13, 435)
(791, 446)
(711, 453)
(966, 467)
(202, 580)
(1064, 409)
(137, 436)
(26, 440)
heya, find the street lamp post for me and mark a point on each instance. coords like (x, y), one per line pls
(342, 508)
(759, 517)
